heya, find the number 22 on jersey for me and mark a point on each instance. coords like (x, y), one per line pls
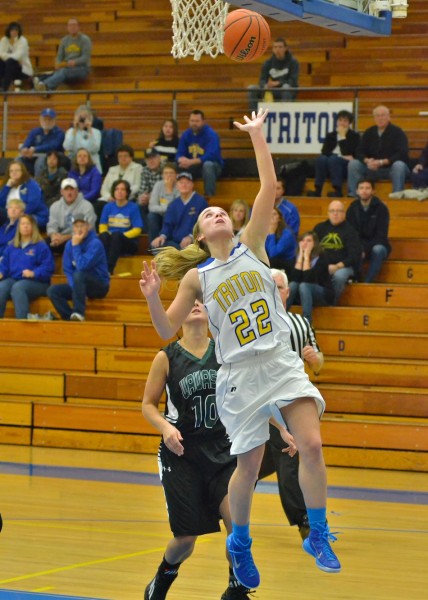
(242, 321)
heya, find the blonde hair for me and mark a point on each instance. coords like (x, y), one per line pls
(16, 202)
(247, 209)
(174, 264)
(35, 233)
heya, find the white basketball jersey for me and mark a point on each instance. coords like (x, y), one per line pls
(246, 315)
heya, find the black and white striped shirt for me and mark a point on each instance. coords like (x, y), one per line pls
(302, 334)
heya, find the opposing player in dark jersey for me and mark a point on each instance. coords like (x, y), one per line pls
(275, 460)
(194, 458)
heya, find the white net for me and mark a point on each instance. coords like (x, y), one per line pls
(197, 27)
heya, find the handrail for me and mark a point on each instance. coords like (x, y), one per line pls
(355, 92)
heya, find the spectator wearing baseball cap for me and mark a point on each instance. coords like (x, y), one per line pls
(85, 265)
(40, 141)
(151, 173)
(181, 215)
(62, 212)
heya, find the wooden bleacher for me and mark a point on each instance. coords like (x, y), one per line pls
(131, 51)
(80, 385)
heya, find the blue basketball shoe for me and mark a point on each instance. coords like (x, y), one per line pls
(242, 562)
(317, 544)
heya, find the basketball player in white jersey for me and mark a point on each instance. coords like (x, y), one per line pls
(260, 376)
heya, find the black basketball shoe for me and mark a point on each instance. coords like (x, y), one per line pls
(159, 586)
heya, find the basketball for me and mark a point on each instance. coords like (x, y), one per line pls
(246, 35)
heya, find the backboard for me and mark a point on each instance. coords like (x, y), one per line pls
(336, 15)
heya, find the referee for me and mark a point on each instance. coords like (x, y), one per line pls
(304, 343)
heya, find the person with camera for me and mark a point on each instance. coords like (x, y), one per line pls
(83, 135)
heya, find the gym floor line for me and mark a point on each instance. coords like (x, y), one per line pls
(144, 478)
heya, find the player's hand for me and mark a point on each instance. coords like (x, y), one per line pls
(150, 281)
(253, 124)
(173, 438)
(288, 439)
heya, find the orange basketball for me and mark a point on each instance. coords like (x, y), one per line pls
(246, 35)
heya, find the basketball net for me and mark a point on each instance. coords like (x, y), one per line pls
(197, 27)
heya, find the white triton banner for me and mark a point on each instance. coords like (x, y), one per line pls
(300, 127)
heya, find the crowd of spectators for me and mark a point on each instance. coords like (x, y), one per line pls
(159, 197)
(57, 179)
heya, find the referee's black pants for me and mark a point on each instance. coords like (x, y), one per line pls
(287, 472)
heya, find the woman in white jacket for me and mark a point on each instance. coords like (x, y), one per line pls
(14, 56)
(83, 135)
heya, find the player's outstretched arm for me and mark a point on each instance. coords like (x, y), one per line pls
(257, 229)
(150, 284)
(168, 322)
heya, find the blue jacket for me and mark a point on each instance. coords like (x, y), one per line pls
(204, 145)
(31, 194)
(89, 256)
(36, 257)
(7, 233)
(45, 142)
(290, 214)
(180, 218)
(89, 183)
(284, 247)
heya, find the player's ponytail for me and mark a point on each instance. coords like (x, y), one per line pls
(174, 264)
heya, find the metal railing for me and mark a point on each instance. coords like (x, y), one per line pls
(206, 96)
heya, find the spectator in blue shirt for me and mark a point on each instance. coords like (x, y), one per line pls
(15, 209)
(87, 175)
(40, 141)
(280, 243)
(199, 152)
(85, 266)
(25, 269)
(288, 210)
(120, 225)
(19, 185)
(181, 215)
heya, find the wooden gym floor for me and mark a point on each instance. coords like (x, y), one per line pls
(88, 524)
